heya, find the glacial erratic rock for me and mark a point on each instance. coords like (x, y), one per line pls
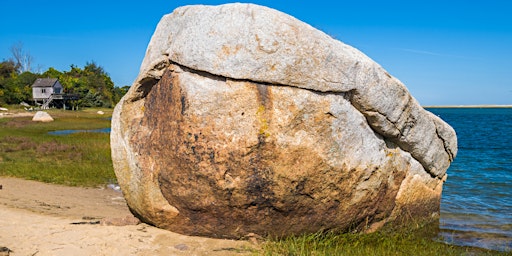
(246, 120)
(42, 116)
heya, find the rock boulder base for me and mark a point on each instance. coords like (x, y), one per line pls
(246, 120)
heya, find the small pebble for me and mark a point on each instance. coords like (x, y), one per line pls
(181, 247)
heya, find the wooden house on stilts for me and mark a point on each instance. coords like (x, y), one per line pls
(48, 92)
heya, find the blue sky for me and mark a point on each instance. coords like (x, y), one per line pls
(446, 52)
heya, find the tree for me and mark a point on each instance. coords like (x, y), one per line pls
(119, 92)
(100, 86)
(7, 69)
(52, 73)
(7, 73)
(92, 84)
(17, 88)
(22, 59)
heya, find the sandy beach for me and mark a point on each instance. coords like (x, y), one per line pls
(44, 219)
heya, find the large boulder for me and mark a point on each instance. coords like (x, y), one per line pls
(246, 120)
(42, 116)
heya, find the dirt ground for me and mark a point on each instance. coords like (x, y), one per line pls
(16, 114)
(42, 219)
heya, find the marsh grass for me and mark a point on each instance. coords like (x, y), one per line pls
(418, 241)
(81, 159)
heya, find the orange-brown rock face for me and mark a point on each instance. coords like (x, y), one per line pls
(210, 153)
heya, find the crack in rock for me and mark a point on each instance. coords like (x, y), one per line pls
(379, 122)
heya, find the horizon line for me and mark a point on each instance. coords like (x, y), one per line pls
(469, 106)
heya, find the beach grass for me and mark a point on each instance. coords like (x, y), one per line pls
(81, 159)
(418, 241)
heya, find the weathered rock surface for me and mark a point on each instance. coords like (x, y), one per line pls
(42, 116)
(246, 120)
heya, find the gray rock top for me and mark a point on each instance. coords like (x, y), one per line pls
(247, 41)
(259, 44)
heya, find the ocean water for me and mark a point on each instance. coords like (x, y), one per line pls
(476, 205)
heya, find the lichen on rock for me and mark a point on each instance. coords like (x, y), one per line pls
(246, 120)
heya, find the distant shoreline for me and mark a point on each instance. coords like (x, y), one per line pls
(468, 106)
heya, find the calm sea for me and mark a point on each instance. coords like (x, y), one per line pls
(476, 207)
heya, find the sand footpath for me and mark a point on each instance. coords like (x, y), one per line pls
(42, 219)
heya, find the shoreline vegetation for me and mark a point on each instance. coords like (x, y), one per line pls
(27, 151)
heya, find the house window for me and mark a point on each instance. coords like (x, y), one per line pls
(43, 90)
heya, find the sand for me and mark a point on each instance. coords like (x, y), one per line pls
(20, 114)
(42, 219)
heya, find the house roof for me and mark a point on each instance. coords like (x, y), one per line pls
(45, 82)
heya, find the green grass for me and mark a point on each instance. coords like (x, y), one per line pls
(419, 241)
(82, 159)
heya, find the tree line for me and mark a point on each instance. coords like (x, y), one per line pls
(91, 83)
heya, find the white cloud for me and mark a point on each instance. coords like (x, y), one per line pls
(436, 54)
